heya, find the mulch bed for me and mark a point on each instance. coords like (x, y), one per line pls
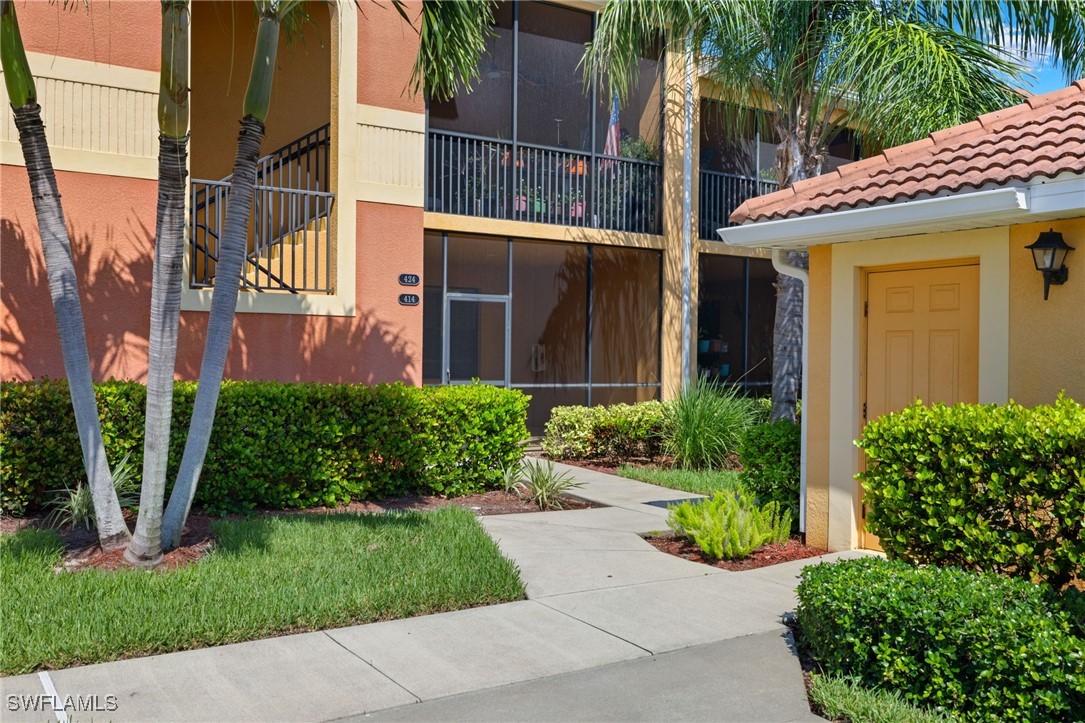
(764, 556)
(82, 550)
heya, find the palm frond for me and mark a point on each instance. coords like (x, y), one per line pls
(1036, 28)
(906, 79)
(453, 36)
(626, 30)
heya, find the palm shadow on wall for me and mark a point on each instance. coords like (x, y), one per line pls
(114, 290)
(113, 270)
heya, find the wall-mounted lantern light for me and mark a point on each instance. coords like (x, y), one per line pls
(1048, 253)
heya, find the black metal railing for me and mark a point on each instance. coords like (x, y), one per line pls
(302, 163)
(476, 176)
(721, 194)
(289, 244)
(289, 237)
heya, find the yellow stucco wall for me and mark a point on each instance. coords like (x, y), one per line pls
(1047, 338)
(1029, 349)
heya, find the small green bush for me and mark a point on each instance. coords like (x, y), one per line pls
(770, 455)
(763, 405)
(277, 445)
(987, 646)
(984, 487)
(706, 423)
(730, 525)
(620, 431)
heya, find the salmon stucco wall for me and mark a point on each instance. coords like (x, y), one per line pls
(387, 46)
(816, 396)
(120, 32)
(111, 223)
(390, 244)
(112, 239)
(1047, 338)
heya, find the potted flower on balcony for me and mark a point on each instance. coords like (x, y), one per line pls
(530, 198)
(574, 203)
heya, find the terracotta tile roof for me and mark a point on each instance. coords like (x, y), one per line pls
(1045, 136)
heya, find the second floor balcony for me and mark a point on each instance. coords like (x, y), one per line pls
(477, 176)
(533, 141)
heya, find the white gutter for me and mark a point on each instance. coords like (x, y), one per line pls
(978, 209)
(781, 264)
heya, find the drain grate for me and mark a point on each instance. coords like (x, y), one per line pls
(668, 503)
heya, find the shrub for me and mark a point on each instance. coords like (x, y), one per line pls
(763, 405)
(729, 525)
(567, 434)
(277, 445)
(624, 431)
(706, 423)
(770, 455)
(984, 645)
(983, 487)
(619, 431)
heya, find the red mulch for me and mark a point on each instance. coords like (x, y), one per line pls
(82, 550)
(764, 556)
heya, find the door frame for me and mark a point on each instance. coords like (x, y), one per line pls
(865, 541)
(446, 341)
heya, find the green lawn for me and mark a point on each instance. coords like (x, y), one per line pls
(843, 699)
(696, 481)
(264, 577)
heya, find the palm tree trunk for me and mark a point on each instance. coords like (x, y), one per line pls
(60, 269)
(787, 329)
(220, 325)
(63, 286)
(145, 549)
(228, 272)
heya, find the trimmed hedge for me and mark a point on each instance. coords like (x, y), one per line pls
(277, 445)
(620, 431)
(983, 487)
(770, 455)
(987, 646)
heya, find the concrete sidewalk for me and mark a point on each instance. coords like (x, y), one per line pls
(612, 630)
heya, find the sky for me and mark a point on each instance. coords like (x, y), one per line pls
(1047, 79)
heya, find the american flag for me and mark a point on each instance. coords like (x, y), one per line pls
(610, 148)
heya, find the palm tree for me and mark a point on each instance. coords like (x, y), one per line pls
(63, 289)
(453, 35)
(173, 122)
(895, 71)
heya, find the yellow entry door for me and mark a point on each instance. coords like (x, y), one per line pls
(922, 341)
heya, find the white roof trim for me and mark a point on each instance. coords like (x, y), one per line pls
(1040, 199)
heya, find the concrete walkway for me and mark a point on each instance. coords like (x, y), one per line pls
(612, 630)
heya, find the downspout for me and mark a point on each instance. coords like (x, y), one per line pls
(781, 264)
(687, 220)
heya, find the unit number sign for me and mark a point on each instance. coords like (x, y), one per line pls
(409, 279)
(409, 299)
